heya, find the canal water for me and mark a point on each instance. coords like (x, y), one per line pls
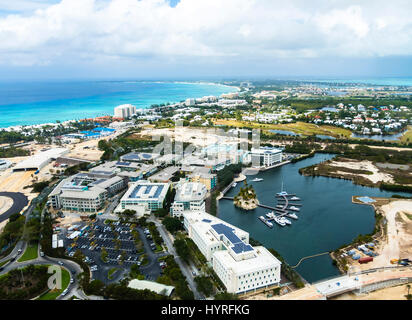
(327, 219)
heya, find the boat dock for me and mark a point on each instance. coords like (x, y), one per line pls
(280, 211)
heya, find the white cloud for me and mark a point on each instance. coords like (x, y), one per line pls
(97, 29)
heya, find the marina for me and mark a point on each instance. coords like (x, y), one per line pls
(282, 210)
(327, 219)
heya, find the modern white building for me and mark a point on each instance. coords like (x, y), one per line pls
(240, 266)
(143, 197)
(124, 111)
(189, 196)
(266, 156)
(84, 192)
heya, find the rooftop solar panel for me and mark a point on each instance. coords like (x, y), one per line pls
(238, 245)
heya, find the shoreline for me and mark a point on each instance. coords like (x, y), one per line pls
(30, 126)
(390, 235)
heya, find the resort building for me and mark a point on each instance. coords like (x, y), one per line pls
(85, 192)
(143, 197)
(189, 196)
(124, 111)
(266, 156)
(239, 266)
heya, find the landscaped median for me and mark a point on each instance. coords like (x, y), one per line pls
(53, 294)
(31, 252)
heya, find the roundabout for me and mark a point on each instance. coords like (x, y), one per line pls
(10, 203)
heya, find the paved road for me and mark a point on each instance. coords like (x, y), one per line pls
(19, 202)
(73, 268)
(183, 266)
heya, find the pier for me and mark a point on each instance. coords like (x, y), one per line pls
(278, 212)
(260, 205)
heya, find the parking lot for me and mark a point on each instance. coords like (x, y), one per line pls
(117, 240)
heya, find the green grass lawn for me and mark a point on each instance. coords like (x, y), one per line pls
(3, 263)
(111, 273)
(30, 253)
(52, 295)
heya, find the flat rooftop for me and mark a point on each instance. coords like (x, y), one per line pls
(143, 190)
(190, 191)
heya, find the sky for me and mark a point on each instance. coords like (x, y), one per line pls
(193, 39)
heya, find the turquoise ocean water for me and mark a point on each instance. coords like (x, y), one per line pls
(26, 103)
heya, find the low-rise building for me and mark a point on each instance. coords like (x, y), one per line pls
(144, 194)
(266, 156)
(189, 196)
(85, 192)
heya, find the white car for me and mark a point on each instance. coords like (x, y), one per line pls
(65, 292)
(60, 263)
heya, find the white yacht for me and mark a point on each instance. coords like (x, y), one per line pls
(271, 215)
(279, 221)
(295, 199)
(234, 184)
(286, 221)
(292, 215)
(257, 180)
(293, 208)
(268, 223)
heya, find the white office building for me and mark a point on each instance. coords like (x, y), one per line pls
(85, 192)
(240, 266)
(143, 197)
(189, 196)
(266, 156)
(124, 111)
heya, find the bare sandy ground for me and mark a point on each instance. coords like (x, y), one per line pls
(91, 153)
(69, 219)
(364, 165)
(198, 137)
(394, 293)
(398, 241)
(5, 204)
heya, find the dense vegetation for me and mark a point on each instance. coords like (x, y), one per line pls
(125, 144)
(172, 224)
(24, 284)
(172, 275)
(12, 232)
(226, 175)
(13, 152)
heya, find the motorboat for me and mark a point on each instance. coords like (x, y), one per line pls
(286, 221)
(234, 184)
(292, 215)
(293, 208)
(271, 215)
(295, 199)
(279, 221)
(257, 180)
(268, 223)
